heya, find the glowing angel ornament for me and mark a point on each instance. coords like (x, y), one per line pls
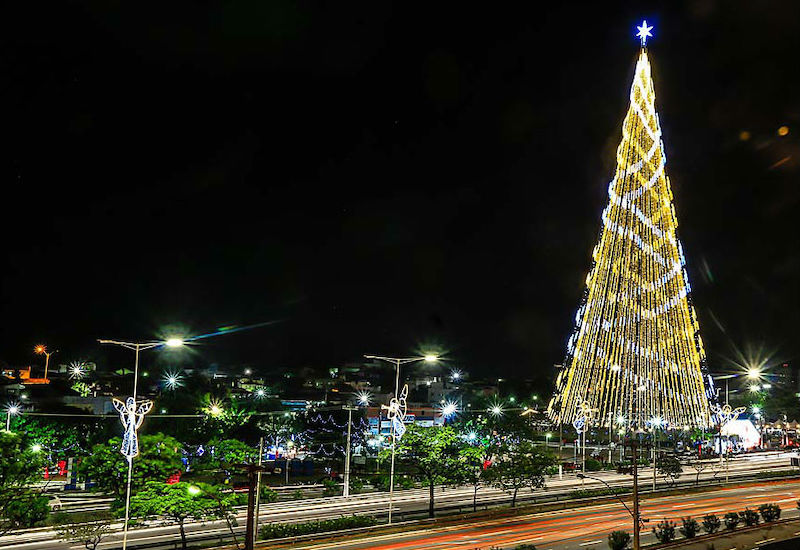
(396, 412)
(131, 415)
(726, 414)
(584, 416)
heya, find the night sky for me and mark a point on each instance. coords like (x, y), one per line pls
(381, 178)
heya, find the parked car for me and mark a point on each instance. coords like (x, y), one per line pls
(54, 503)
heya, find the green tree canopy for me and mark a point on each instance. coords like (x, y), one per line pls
(519, 465)
(159, 457)
(19, 467)
(180, 502)
(432, 454)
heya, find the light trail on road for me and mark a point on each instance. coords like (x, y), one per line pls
(577, 528)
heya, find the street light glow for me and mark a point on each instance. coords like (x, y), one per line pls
(621, 419)
(449, 409)
(364, 397)
(496, 410)
(756, 409)
(76, 370)
(455, 374)
(193, 490)
(40, 349)
(755, 388)
(754, 373)
(12, 409)
(174, 342)
(36, 448)
(260, 393)
(173, 380)
(431, 358)
(472, 436)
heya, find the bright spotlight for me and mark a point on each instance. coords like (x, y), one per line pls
(260, 393)
(620, 420)
(755, 388)
(455, 374)
(431, 358)
(12, 409)
(754, 373)
(496, 410)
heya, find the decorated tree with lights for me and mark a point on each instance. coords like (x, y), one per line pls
(636, 351)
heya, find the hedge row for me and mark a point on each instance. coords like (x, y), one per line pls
(282, 530)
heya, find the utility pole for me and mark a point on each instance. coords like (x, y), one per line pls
(636, 524)
(258, 484)
(252, 475)
(346, 490)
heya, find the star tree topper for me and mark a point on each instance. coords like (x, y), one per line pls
(644, 32)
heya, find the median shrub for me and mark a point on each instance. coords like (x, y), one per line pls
(618, 540)
(356, 485)
(749, 517)
(665, 531)
(593, 465)
(267, 495)
(690, 527)
(283, 530)
(731, 521)
(711, 523)
(770, 512)
(330, 488)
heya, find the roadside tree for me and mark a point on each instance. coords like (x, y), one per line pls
(159, 458)
(432, 454)
(180, 502)
(520, 465)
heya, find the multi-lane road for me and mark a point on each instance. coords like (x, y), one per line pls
(405, 502)
(576, 529)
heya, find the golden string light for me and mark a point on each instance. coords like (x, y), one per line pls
(636, 351)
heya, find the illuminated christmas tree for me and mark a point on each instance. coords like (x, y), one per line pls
(635, 357)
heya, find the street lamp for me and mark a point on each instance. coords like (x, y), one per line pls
(754, 373)
(41, 349)
(12, 409)
(364, 398)
(635, 515)
(132, 418)
(397, 361)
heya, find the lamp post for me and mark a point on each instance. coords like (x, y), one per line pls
(12, 409)
(346, 489)
(131, 452)
(41, 349)
(397, 361)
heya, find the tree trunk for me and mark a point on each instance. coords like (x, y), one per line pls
(183, 534)
(514, 498)
(430, 503)
(475, 498)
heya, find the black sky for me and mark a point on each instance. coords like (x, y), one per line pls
(380, 176)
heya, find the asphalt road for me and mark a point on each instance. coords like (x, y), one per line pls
(577, 529)
(377, 503)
